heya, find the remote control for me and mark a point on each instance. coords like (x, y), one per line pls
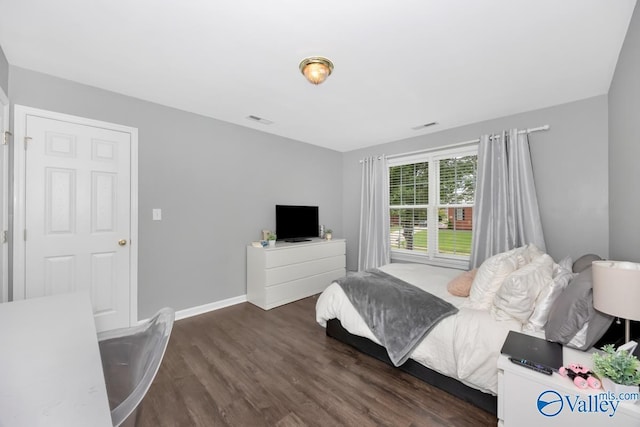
(532, 365)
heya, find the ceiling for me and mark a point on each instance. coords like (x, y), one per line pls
(398, 64)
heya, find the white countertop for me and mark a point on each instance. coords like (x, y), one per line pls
(50, 366)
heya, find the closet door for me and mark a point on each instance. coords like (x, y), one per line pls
(77, 214)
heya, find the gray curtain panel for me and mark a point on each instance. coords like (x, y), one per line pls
(374, 246)
(506, 213)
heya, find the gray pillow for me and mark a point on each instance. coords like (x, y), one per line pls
(598, 325)
(572, 309)
(584, 262)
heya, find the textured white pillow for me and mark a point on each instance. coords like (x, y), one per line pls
(562, 275)
(490, 276)
(517, 296)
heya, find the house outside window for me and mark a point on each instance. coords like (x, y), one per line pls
(431, 199)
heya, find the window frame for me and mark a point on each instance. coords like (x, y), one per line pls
(433, 157)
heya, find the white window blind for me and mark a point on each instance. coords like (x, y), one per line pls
(431, 199)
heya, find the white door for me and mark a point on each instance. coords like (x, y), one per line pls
(4, 196)
(78, 213)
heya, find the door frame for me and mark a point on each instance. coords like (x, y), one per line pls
(20, 113)
(4, 213)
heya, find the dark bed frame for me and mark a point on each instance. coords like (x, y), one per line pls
(478, 398)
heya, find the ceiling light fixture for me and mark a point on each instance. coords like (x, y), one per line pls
(316, 69)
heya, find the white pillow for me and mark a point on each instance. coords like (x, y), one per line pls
(531, 252)
(517, 296)
(562, 275)
(490, 276)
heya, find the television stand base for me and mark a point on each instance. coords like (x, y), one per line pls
(297, 240)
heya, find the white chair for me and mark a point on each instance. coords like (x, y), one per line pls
(130, 360)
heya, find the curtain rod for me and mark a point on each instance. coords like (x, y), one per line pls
(461, 144)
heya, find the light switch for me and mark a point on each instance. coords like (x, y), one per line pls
(157, 214)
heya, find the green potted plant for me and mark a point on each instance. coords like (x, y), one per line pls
(328, 234)
(272, 240)
(619, 370)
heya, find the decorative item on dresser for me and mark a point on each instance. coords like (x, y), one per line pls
(272, 240)
(619, 369)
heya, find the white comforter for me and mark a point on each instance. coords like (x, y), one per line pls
(464, 346)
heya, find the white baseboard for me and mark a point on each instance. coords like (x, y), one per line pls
(205, 308)
(201, 309)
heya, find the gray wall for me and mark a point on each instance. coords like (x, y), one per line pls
(216, 183)
(570, 170)
(4, 72)
(624, 148)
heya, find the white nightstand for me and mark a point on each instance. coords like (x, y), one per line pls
(520, 389)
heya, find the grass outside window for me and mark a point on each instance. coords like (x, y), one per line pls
(456, 242)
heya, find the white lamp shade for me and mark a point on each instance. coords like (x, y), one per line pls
(616, 288)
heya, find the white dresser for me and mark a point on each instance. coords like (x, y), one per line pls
(291, 271)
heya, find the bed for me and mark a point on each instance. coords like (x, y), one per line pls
(459, 354)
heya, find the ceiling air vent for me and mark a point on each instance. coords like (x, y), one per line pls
(259, 120)
(426, 125)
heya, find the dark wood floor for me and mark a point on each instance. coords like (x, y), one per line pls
(242, 366)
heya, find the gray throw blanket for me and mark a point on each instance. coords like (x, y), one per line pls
(400, 315)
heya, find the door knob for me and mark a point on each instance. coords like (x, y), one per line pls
(122, 242)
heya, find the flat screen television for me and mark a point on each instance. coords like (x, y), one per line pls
(296, 223)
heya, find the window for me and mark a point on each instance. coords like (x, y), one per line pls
(431, 198)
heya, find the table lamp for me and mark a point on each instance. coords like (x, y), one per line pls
(616, 291)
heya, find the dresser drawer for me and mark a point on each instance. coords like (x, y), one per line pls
(288, 255)
(283, 293)
(300, 270)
